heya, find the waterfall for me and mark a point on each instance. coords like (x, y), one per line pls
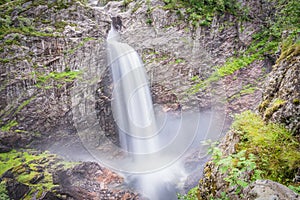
(155, 145)
(132, 103)
(134, 114)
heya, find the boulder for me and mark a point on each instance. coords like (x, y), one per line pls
(89, 180)
(267, 190)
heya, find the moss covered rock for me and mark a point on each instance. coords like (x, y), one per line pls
(282, 90)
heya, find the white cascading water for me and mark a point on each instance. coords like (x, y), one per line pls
(132, 103)
(154, 144)
(133, 112)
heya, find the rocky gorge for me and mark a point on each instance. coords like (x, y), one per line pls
(56, 92)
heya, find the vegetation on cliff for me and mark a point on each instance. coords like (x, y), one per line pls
(275, 148)
(32, 169)
(201, 13)
(264, 151)
(279, 29)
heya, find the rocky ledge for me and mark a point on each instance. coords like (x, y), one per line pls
(38, 175)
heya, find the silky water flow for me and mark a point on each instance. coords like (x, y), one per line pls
(154, 144)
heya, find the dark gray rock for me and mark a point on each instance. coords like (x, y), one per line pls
(268, 190)
(16, 190)
(4, 148)
(50, 196)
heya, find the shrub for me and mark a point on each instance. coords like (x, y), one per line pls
(274, 146)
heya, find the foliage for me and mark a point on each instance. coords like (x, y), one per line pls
(273, 145)
(289, 51)
(25, 26)
(266, 42)
(287, 17)
(295, 188)
(3, 192)
(237, 168)
(256, 51)
(200, 13)
(191, 195)
(267, 151)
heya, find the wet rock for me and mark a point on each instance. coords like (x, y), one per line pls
(16, 190)
(91, 181)
(50, 196)
(267, 189)
(8, 174)
(4, 148)
(9, 140)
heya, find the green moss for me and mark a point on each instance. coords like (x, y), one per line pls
(265, 42)
(296, 101)
(60, 25)
(291, 51)
(27, 166)
(26, 25)
(179, 60)
(275, 148)
(264, 105)
(4, 60)
(273, 107)
(255, 51)
(9, 125)
(60, 78)
(295, 188)
(28, 31)
(248, 90)
(24, 103)
(14, 40)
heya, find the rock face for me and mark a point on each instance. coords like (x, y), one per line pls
(266, 189)
(41, 67)
(16, 190)
(10, 140)
(280, 104)
(37, 175)
(90, 181)
(176, 52)
(282, 91)
(55, 81)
